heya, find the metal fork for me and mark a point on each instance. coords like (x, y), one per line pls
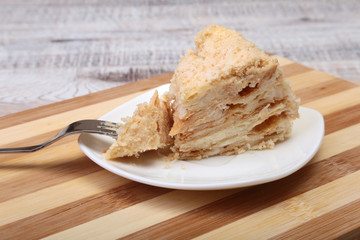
(88, 126)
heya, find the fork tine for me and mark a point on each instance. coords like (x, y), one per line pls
(94, 126)
(109, 127)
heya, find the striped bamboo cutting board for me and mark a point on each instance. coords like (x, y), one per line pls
(58, 193)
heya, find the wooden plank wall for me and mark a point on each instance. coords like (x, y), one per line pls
(56, 50)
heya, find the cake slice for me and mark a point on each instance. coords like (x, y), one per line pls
(147, 129)
(228, 97)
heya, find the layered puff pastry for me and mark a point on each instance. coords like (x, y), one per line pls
(226, 96)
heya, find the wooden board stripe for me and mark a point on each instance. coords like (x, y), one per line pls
(294, 69)
(52, 197)
(322, 90)
(336, 142)
(298, 211)
(354, 234)
(78, 212)
(67, 151)
(159, 208)
(336, 226)
(343, 118)
(309, 78)
(241, 204)
(37, 139)
(60, 194)
(336, 102)
(46, 176)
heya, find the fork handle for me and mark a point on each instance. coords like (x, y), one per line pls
(82, 126)
(34, 147)
(21, 149)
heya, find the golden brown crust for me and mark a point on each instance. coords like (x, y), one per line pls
(147, 129)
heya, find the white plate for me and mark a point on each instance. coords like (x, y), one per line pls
(249, 168)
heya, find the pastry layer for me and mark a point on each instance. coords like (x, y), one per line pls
(147, 129)
(223, 92)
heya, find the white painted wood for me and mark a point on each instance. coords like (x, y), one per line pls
(56, 50)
